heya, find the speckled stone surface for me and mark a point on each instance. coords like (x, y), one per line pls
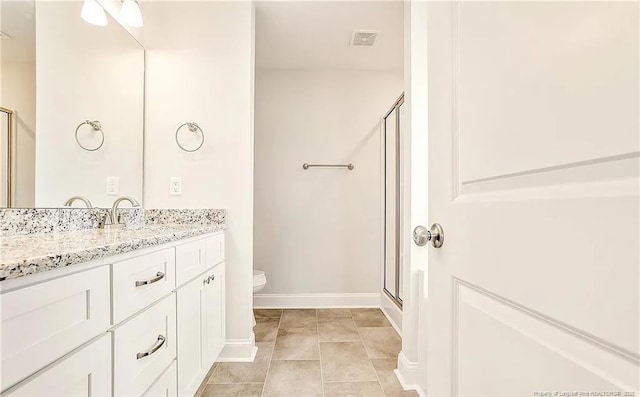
(51, 220)
(203, 216)
(23, 254)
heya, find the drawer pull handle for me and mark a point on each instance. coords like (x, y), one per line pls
(158, 277)
(154, 348)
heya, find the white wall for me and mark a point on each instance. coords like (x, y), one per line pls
(319, 230)
(200, 69)
(85, 72)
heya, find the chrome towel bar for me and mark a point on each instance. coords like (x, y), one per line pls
(306, 166)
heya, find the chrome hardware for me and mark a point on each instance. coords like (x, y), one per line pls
(195, 128)
(306, 166)
(81, 198)
(112, 219)
(422, 235)
(208, 280)
(97, 127)
(154, 348)
(159, 276)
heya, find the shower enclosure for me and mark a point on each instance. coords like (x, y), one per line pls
(6, 157)
(392, 274)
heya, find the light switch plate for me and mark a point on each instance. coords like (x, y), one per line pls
(113, 186)
(175, 186)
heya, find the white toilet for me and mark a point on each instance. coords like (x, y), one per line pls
(259, 282)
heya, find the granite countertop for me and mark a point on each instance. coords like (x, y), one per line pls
(21, 255)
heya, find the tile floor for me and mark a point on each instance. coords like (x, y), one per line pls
(314, 353)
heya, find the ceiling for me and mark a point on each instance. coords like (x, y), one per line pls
(316, 34)
(18, 20)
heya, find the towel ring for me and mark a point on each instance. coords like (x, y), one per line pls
(193, 127)
(97, 126)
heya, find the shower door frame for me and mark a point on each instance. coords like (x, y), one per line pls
(397, 299)
(9, 166)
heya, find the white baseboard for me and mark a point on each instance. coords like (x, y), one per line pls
(407, 374)
(239, 350)
(394, 315)
(302, 301)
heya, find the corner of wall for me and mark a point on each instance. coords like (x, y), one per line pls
(407, 374)
(239, 350)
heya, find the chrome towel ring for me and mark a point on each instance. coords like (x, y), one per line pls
(193, 127)
(97, 127)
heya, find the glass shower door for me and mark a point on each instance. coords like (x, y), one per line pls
(392, 284)
(6, 147)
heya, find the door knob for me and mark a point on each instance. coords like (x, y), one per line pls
(422, 235)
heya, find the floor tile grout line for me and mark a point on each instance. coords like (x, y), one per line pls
(375, 371)
(266, 376)
(371, 361)
(320, 355)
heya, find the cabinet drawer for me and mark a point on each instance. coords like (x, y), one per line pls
(43, 322)
(86, 372)
(140, 281)
(214, 249)
(143, 347)
(166, 385)
(190, 261)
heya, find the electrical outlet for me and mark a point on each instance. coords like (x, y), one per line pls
(175, 186)
(113, 186)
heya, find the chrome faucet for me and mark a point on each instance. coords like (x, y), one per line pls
(81, 198)
(112, 219)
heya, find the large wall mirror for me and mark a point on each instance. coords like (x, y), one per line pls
(72, 103)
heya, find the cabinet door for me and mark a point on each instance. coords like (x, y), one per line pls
(214, 313)
(192, 366)
(43, 322)
(86, 372)
(165, 385)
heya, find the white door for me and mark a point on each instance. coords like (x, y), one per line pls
(533, 173)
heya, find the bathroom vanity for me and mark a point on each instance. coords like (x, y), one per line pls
(112, 313)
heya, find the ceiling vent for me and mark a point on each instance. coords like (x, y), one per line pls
(363, 38)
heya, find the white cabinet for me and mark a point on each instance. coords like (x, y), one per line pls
(142, 280)
(201, 324)
(160, 311)
(214, 335)
(83, 373)
(214, 249)
(143, 347)
(201, 327)
(190, 260)
(192, 366)
(43, 322)
(165, 385)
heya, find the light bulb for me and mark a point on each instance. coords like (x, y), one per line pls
(130, 13)
(93, 13)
